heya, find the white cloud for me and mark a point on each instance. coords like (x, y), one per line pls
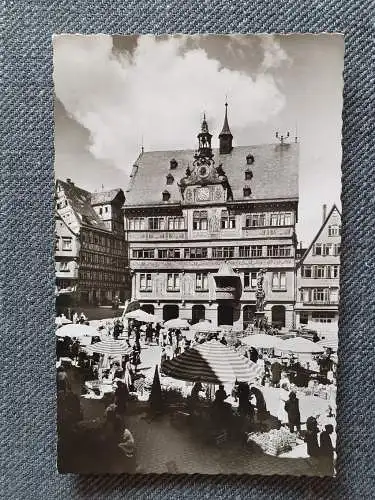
(159, 92)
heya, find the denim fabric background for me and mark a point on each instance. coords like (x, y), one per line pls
(27, 268)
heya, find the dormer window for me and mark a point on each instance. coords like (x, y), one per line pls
(248, 174)
(173, 163)
(166, 195)
(246, 191)
(170, 179)
(249, 159)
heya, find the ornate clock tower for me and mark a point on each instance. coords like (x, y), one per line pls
(205, 182)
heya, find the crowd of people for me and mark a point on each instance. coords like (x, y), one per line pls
(122, 372)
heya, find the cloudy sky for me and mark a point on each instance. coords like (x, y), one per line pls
(115, 93)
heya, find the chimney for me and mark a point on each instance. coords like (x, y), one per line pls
(300, 245)
(68, 181)
(324, 213)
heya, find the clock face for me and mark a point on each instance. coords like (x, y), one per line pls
(203, 194)
(203, 171)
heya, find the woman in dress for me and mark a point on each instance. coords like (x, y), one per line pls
(283, 398)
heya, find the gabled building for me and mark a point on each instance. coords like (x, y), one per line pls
(318, 272)
(201, 223)
(90, 251)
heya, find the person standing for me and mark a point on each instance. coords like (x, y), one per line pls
(284, 396)
(276, 370)
(326, 451)
(292, 409)
(311, 437)
(121, 397)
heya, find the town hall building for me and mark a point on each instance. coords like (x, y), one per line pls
(201, 223)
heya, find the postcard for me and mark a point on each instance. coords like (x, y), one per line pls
(197, 252)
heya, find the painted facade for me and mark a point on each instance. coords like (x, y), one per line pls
(201, 224)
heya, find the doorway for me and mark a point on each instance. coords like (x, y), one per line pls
(148, 308)
(198, 312)
(170, 311)
(278, 316)
(225, 314)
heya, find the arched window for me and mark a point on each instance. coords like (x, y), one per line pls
(166, 195)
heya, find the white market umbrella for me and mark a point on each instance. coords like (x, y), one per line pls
(142, 316)
(204, 327)
(76, 330)
(177, 323)
(59, 321)
(261, 340)
(301, 346)
(110, 347)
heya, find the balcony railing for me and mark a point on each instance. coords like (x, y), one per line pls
(325, 302)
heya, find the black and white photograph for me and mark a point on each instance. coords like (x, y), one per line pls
(197, 252)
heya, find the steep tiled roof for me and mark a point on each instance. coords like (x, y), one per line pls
(275, 173)
(80, 201)
(104, 196)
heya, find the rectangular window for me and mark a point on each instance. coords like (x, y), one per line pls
(176, 223)
(328, 249)
(337, 249)
(67, 243)
(321, 295)
(143, 253)
(278, 251)
(57, 243)
(334, 296)
(201, 281)
(274, 220)
(279, 280)
(169, 253)
(335, 271)
(227, 221)
(145, 283)
(222, 252)
(64, 266)
(334, 230)
(306, 271)
(136, 224)
(319, 271)
(156, 223)
(255, 220)
(200, 220)
(317, 249)
(250, 280)
(173, 282)
(251, 251)
(195, 253)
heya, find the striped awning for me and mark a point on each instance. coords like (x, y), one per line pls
(212, 363)
(111, 347)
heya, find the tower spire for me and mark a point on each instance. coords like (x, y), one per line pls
(226, 136)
